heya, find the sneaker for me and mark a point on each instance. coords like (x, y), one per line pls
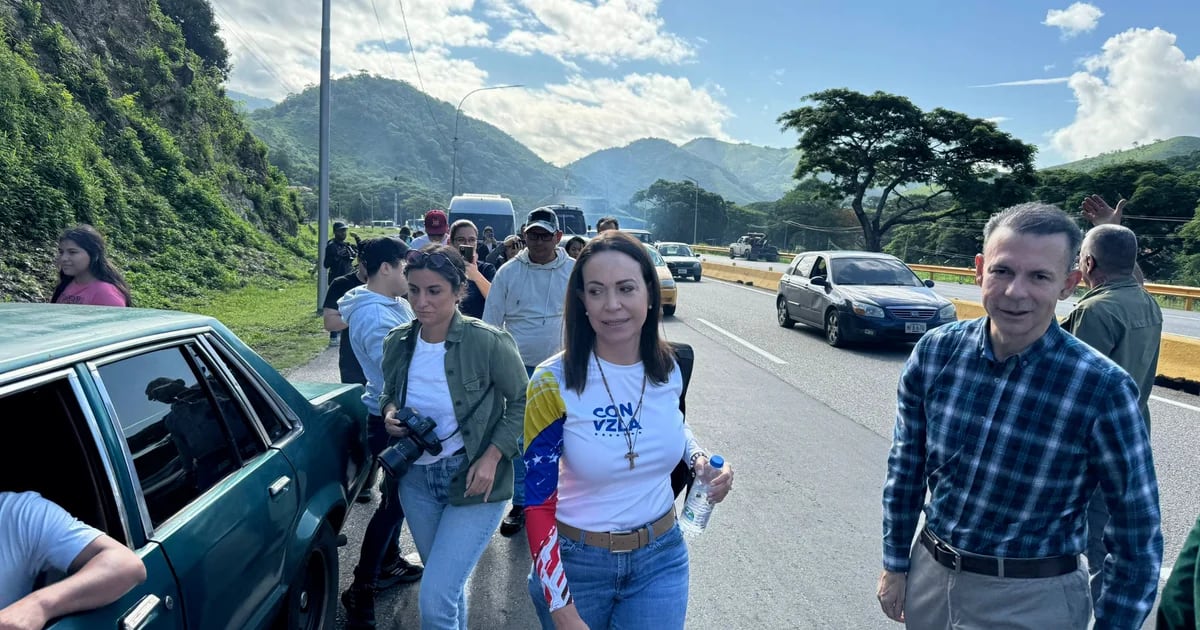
(514, 521)
(399, 571)
(359, 601)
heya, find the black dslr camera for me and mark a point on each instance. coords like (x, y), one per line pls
(402, 452)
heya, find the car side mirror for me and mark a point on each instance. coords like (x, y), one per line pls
(929, 283)
(819, 281)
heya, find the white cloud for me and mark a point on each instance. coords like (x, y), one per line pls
(1080, 17)
(560, 121)
(1050, 81)
(606, 32)
(1140, 87)
(1048, 67)
(998, 119)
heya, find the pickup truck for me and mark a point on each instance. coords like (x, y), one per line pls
(753, 246)
(166, 432)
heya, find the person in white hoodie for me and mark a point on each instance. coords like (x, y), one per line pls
(372, 311)
(526, 299)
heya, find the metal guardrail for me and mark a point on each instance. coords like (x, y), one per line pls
(1189, 295)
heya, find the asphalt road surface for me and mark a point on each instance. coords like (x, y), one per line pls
(1175, 321)
(807, 428)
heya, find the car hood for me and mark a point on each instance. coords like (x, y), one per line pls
(894, 296)
(681, 259)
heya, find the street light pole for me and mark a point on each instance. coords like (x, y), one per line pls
(323, 159)
(695, 209)
(454, 144)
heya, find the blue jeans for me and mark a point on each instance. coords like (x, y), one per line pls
(449, 538)
(645, 588)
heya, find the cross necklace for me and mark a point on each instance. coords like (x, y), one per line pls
(630, 439)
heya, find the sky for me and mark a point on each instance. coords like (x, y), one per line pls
(1075, 79)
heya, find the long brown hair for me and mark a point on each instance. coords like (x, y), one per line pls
(579, 339)
(92, 242)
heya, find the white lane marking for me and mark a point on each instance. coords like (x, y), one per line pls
(744, 287)
(1164, 574)
(768, 355)
(1174, 402)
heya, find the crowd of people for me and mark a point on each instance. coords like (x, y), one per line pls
(1020, 490)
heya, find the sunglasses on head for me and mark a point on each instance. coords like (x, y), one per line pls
(434, 260)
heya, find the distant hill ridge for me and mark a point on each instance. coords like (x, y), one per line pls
(1155, 151)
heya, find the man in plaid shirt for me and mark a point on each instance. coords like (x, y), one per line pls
(1011, 424)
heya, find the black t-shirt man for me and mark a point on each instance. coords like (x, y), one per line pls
(339, 259)
(348, 365)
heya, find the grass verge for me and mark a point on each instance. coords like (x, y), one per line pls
(276, 318)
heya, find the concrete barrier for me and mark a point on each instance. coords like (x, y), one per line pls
(1179, 357)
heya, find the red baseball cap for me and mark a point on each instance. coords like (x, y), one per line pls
(436, 222)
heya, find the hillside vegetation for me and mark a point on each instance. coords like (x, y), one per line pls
(108, 115)
(1156, 151)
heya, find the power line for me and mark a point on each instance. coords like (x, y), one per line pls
(383, 39)
(229, 23)
(420, 82)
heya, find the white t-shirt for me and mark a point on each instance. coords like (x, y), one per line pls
(429, 394)
(597, 491)
(36, 535)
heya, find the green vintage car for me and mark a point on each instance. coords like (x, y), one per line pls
(168, 433)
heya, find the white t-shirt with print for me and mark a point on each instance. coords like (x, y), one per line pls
(597, 491)
(36, 535)
(429, 394)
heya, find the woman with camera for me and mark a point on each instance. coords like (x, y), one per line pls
(601, 522)
(465, 378)
(465, 236)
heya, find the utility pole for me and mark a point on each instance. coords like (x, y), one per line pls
(695, 209)
(323, 204)
(395, 208)
(454, 143)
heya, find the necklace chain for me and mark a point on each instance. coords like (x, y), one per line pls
(630, 439)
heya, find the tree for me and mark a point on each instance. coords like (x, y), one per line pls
(876, 145)
(677, 209)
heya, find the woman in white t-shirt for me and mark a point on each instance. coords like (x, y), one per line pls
(467, 377)
(603, 431)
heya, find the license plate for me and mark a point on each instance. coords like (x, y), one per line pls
(914, 328)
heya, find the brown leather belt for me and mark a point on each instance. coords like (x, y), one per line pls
(952, 558)
(620, 542)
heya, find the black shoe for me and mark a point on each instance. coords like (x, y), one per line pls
(399, 571)
(359, 601)
(514, 521)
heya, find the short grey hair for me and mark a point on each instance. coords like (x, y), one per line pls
(1040, 219)
(1115, 249)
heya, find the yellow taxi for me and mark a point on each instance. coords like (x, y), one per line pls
(666, 280)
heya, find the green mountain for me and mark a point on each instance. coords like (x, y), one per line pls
(767, 170)
(391, 146)
(1156, 151)
(249, 103)
(620, 172)
(113, 112)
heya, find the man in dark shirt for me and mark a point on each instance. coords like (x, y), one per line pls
(487, 244)
(340, 255)
(351, 371)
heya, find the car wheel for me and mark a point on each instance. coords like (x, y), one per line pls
(312, 597)
(833, 329)
(731, 256)
(668, 311)
(696, 277)
(781, 313)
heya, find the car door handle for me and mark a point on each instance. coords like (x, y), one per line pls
(141, 614)
(281, 485)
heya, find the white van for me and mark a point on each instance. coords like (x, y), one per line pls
(484, 210)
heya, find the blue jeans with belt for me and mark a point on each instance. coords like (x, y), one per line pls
(450, 539)
(643, 588)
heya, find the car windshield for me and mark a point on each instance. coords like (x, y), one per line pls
(658, 260)
(873, 271)
(674, 250)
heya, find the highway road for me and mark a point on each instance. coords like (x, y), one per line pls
(1179, 322)
(807, 428)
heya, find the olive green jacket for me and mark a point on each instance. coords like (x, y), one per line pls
(1177, 605)
(485, 373)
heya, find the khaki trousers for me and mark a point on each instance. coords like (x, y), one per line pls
(938, 598)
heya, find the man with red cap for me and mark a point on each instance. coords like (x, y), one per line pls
(437, 228)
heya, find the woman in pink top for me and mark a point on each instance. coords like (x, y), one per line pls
(85, 275)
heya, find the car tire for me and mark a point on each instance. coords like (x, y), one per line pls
(669, 311)
(731, 255)
(781, 314)
(311, 602)
(834, 335)
(696, 277)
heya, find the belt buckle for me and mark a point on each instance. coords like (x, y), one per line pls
(612, 538)
(946, 548)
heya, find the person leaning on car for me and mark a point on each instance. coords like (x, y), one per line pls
(37, 535)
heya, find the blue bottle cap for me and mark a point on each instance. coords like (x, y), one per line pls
(716, 461)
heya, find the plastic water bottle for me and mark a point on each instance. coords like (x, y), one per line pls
(698, 509)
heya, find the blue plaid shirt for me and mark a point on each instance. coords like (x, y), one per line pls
(1011, 452)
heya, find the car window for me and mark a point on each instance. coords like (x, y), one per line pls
(267, 416)
(873, 271)
(674, 250)
(658, 260)
(803, 265)
(819, 268)
(182, 427)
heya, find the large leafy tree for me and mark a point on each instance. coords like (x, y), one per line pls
(679, 210)
(872, 147)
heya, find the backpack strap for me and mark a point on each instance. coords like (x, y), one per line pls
(685, 357)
